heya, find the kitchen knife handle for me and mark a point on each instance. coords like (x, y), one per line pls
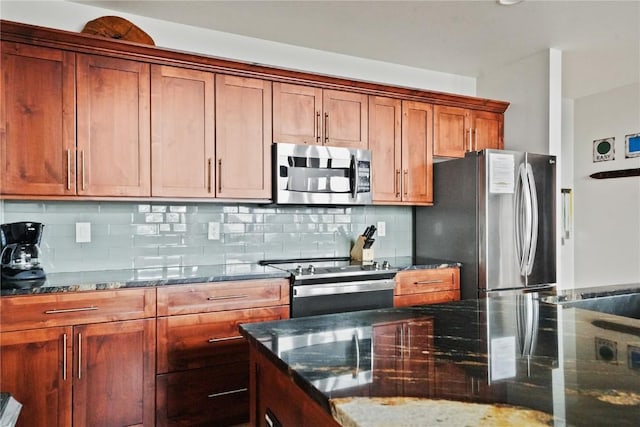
(397, 183)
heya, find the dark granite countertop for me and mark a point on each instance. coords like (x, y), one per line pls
(131, 278)
(575, 368)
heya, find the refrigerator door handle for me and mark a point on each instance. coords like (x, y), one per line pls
(524, 220)
(534, 219)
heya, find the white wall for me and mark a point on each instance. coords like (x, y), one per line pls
(607, 212)
(566, 276)
(525, 84)
(72, 17)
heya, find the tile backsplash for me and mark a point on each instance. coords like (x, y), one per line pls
(138, 235)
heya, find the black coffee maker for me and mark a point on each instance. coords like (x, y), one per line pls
(20, 255)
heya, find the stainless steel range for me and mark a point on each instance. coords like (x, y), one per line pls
(336, 285)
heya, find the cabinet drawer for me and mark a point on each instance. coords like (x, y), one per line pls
(434, 280)
(199, 340)
(424, 298)
(219, 296)
(75, 308)
(204, 397)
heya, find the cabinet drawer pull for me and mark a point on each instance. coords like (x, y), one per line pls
(79, 356)
(326, 128)
(209, 175)
(225, 297)
(318, 127)
(64, 357)
(219, 176)
(214, 340)
(70, 310)
(82, 156)
(428, 282)
(225, 393)
(68, 169)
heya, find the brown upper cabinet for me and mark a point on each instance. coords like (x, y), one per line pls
(243, 137)
(113, 97)
(310, 115)
(400, 137)
(461, 130)
(37, 120)
(182, 132)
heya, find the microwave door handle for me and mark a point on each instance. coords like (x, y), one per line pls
(353, 179)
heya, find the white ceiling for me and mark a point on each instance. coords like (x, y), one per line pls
(600, 40)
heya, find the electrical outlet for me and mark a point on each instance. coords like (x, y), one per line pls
(213, 231)
(83, 232)
(382, 228)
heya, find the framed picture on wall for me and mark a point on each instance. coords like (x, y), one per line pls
(604, 149)
(632, 145)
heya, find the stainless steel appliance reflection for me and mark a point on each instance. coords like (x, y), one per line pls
(331, 360)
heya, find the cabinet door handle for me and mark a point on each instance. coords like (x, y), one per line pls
(428, 282)
(82, 157)
(475, 139)
(68, 169)
(79, 356)
(225, 393)
(405, 185)
(64, 357)
(225, 297)
(326, 128)
(70, 310)
(209, 175)
(397, 183)
(318, 127)
(215, 340)
(219, 175)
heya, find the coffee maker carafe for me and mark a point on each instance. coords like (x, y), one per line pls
(20, 254)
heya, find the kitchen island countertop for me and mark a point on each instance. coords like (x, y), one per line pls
(573, 366)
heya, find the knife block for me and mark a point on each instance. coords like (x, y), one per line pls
(358, 253)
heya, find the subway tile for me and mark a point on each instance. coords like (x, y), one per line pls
(300, 228)
(116, 207)
(178, 209)
(144, 208)
(154, 217)
(11, 206)
(73, 207)
(158, 208)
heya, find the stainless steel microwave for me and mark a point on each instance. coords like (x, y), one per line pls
(320, 174)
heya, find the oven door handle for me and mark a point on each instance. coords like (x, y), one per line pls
(302, 291)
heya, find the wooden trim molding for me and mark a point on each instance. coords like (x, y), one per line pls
(87, 43)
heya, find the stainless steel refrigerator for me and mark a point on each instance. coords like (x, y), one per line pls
(495, 212)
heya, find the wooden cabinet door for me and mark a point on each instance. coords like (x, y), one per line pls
(488, 130)
(37, 121)
(417, 152)
(297, 114)
(114, 370)
(36, 370)
(243, 137)
(113, 126)
(385, 143)
(182, 132)
(345, 119)
(451, 137)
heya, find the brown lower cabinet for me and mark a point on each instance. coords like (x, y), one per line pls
(429, 286)
(203, 361)
(93, 365)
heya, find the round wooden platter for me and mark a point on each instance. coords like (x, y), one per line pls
(117, 28)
